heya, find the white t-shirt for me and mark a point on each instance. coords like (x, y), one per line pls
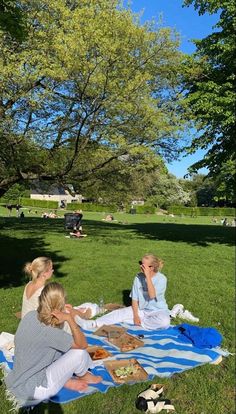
(32, 303)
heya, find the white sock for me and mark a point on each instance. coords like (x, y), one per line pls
(85, 324)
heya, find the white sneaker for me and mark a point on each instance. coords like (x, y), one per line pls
(85, 324)
(188, 316)
(176, 310)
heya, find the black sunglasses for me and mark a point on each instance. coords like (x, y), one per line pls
(141, 264)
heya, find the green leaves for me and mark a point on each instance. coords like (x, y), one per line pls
(210, 79)
(88, 76)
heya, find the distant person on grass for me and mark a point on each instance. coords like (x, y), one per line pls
(46, 357)
(149, 308)
(77, 233)
(109, 217)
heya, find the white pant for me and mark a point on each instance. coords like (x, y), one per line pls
(159, 319)
(75, 361)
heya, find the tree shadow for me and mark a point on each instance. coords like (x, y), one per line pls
(29, 241)
(32, 224)
(44, 408)
(16, 250)
(195, 234)
(126, 299)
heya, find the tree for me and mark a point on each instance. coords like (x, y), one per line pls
(122, 180)
(210, 80)
(208, 191)
(166, 190)
(225, 184)
(87, 77)
(12, 19)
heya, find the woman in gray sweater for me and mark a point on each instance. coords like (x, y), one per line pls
(46, 357)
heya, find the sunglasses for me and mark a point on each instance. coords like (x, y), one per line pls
(141, 263)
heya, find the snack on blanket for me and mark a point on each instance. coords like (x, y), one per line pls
(98, 353)
(127, 347)
(110, 330)
(125, 370)
(126, 342)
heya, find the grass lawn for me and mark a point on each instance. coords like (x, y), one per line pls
(199, 264)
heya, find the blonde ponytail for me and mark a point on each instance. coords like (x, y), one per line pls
(52, 298)
(37, 267)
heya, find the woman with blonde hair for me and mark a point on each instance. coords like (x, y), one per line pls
(46, 357)
(149, 308)
(39, 271)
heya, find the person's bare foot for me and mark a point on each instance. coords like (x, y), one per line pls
(76, 384)
(91, 379)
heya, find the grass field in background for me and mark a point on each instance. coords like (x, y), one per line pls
(199, 264)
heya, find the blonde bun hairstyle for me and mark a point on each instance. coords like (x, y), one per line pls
(51, 298)
(155, 261)
(38, 266)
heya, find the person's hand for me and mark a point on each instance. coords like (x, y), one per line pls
(147, 271)
(137, 320)
(72, 311)
(68, 307)
(61, 316)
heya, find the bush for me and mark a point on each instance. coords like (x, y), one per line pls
(47, 204)
(5, 202)
(202, 211)
(92, 207)
(145, 209)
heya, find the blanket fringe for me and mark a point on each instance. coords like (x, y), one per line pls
(13, 400)
(16, 404)
(223, 352)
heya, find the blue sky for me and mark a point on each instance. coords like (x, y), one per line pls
(190, 26)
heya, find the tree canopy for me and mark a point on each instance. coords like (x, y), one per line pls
(12, 19)
(86, 87)
(210, 80)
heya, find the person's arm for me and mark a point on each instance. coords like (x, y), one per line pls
(148, 273)
(80, 341)
(136, 317)
(81, 312)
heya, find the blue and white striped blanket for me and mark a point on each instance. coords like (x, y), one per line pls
(164, 353)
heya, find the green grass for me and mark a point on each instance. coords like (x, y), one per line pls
(199, 265)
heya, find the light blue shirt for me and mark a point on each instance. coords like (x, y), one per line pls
(139, 292)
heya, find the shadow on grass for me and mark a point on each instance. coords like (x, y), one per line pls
(25, 239)
(201, 235)
(126, 299)
(32, 224)
(196, 234)
(45, 408)
(26, 245)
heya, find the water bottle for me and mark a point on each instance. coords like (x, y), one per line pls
(101, 305)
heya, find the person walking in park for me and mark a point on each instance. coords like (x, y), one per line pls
(46, 357)
(149, 308)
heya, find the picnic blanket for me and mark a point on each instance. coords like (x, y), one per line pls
(164, 354)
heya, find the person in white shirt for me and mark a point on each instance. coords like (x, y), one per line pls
(39, 270)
